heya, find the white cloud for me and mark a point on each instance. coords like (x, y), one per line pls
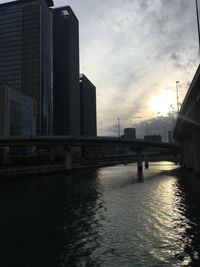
(133, 50)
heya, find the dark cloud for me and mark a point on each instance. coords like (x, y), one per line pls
(158, 126)
(175, 56)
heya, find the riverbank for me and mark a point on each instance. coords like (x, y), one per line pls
(7, 172)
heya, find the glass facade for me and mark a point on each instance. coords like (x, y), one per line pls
(10, 48)
(47, 54)
(88, 107)
(66, 92)
(21, 114)
(26, 55)
(17, 112)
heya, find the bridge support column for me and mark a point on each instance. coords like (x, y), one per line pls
(6, 155)
(68, 159)
(196, 152)
(52, 155)
(187, 151)
(146, 161)
(139, 161)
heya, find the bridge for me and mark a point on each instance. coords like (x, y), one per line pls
(187, 128)
(67, 142)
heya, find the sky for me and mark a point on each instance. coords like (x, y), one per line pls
(134, 51)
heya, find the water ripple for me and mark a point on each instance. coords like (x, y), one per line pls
(107, 217)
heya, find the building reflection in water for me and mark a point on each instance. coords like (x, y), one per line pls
(50, 221)
(82, 215)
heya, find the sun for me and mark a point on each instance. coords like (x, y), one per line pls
(161, 104)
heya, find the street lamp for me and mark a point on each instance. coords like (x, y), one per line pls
(172, 112)
(177, 82)
(118, 126)
(198, 27)
(147, 128)
(165, 135)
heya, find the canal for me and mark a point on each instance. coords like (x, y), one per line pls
(103, 217)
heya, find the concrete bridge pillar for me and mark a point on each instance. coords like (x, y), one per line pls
(187, 153)
(146, 161)
(52, 155)
(139, 161)
(196, 152)
(68, 158)
(6, 155)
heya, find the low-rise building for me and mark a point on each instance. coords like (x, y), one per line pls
(153, 138)
(17, 115)
(129, 133)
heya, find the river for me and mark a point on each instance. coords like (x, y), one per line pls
(103, 217)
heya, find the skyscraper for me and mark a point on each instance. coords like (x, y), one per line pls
(88, 107)
(66, 92)
(26, 54)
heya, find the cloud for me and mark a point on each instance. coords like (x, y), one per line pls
(133, 50)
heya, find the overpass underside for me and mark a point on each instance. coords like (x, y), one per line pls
(187, 129)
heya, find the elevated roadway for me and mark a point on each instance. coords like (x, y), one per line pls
(187, 128)
(69, 141)
(82, 141)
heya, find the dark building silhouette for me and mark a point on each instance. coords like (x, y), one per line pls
(171, 136)
(88, 107)
(16, 113)
(26, 54)
(66, 92)
(153, 138)
(129, 133)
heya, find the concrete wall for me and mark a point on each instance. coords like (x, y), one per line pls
(187, 153)
(196, 152)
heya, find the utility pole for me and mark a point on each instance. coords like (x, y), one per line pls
(165, 135)
(147, 128)
(198, 27)
(177, 82)
(118, 127)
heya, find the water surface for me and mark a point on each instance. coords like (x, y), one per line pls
(104, 217)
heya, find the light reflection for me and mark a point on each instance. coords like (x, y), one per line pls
(170, 222)
(100, 218)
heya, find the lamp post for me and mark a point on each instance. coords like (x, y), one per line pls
(118, 126)
(172, 112)
(147, 128)
(177, 82)
(198, 27)
(173, 118)
(165, 136)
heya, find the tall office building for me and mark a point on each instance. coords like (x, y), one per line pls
(88, 107)
(66, 92)
(26, 54)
